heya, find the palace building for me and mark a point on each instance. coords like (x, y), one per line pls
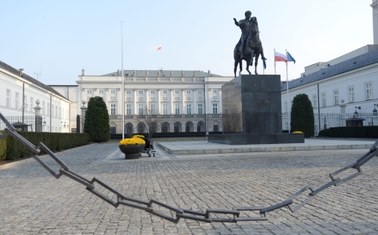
(155, 101)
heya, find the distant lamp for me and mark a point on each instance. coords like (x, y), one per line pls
(375, 111)
(355, 114)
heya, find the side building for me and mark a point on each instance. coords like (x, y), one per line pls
(156, 101)
(343, 91)
(22, 98)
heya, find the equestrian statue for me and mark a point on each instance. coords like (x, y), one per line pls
(249, 45)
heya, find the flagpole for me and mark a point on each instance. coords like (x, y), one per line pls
(287, 97)
(123, 85)
(274, 56)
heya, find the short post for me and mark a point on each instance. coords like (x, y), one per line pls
(38, 117)
(83, 111)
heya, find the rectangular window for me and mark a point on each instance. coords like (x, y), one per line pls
(188, 109)
(128, 92)
(43, 107)
(89, 92)
(165, 109)
(188, 92)
(314, 101)
(177, 92)
(368, 91)
(177, 109)
(31, 104)
(153, 108)
(17, 100)
(112, 109)
(141, 92)
(8, 101)
(324, 99)
(350, 94)
(285, 107)
(165, 92)
(101, 93)
(215, 108)
(128, 109)
(200, 108)
(335, 97)
(141, 109)
(152, 92)
(25, 102)
(113, 92)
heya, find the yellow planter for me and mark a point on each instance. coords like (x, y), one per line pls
(131, 151)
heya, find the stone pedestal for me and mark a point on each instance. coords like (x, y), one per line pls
(252, 112)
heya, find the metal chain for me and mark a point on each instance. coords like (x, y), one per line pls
(175, 214)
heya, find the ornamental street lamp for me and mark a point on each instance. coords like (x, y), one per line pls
(355, 114)
(375, 113)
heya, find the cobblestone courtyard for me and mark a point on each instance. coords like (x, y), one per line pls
(34, 202)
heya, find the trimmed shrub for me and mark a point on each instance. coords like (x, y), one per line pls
(351, 132)
(97, 120)
(54, 141)
(302, 115)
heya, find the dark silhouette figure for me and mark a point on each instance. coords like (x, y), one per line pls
(249, 45)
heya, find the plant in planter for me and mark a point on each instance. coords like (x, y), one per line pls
(132, 147)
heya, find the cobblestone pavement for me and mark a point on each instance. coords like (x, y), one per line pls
(34, 202)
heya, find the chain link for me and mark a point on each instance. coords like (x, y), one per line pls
(175, 214)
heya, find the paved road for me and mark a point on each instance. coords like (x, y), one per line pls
(34, 202)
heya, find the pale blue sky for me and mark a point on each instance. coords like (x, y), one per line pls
(54, 40)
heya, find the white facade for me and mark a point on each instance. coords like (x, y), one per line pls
(342, 88)
(157, 100)
(70, 92)
(19, 95)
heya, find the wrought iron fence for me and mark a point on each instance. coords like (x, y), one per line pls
(29, 122)
(328, 120)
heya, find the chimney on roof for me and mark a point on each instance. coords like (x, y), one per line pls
(82, 72)
(21, 71)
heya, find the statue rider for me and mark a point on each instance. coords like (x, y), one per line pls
(245, 26)
(255, 36)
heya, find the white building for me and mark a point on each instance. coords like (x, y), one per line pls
(343, 88)
(158, 101)
(21, 95)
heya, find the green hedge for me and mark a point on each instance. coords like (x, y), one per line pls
(355, 132)
(11, 149)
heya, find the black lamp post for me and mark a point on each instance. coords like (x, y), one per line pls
(355, 114)
(375, 113)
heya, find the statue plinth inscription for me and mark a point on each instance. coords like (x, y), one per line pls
(252, 112)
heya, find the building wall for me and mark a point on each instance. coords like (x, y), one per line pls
(342, 95)
(19, 96)
(172, 102)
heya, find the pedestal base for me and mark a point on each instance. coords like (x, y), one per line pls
(241, 138)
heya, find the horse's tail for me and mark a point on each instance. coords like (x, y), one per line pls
(264, 63)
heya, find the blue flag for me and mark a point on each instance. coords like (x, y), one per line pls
(289, 57)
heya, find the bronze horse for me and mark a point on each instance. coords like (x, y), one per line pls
(253, 49)
(250, 54)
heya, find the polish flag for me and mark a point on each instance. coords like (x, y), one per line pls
(279, 57)
(159, 47)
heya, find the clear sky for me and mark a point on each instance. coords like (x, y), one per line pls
(54, 39)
